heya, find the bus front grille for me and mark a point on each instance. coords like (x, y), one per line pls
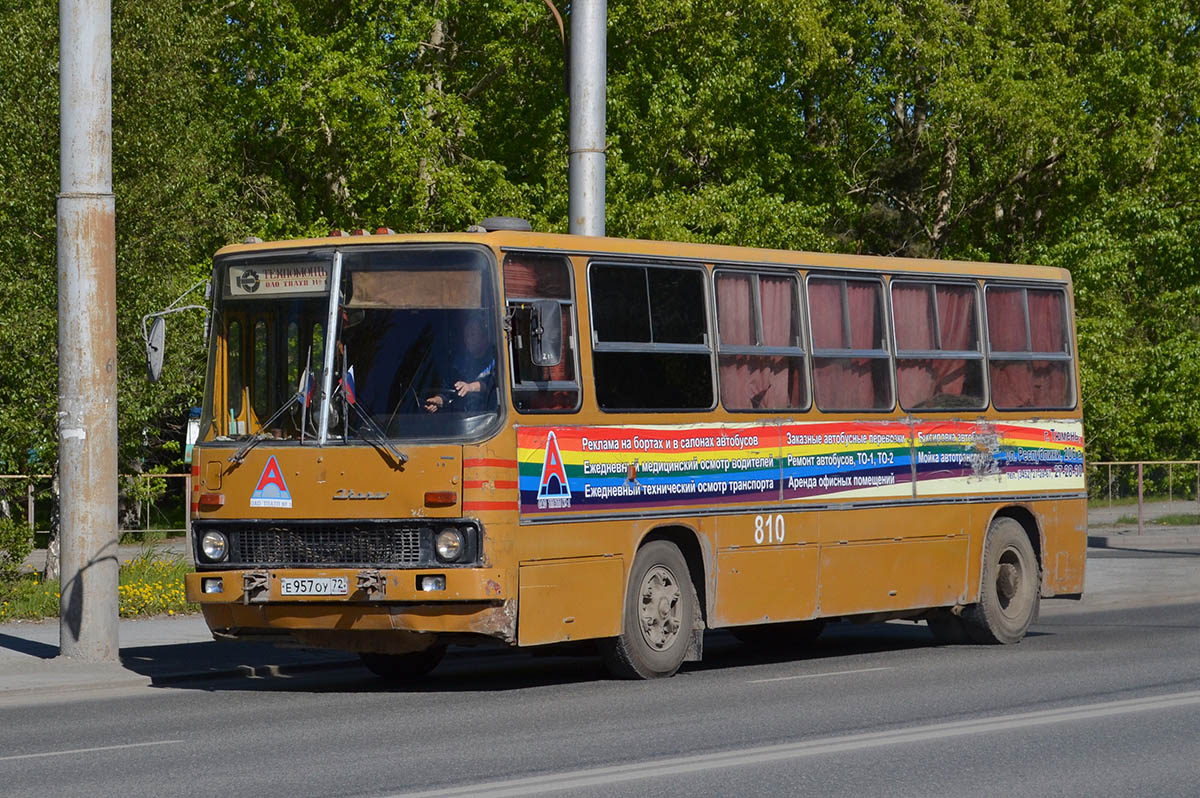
(326, 545)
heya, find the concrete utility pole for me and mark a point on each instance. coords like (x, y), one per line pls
(87, 333)
(589, 67)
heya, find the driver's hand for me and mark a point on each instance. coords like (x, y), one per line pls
(463, 388)
(434, 403)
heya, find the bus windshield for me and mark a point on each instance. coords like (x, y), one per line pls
(414, 349)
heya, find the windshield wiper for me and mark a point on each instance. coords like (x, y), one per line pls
(300, 395)
(379, 438)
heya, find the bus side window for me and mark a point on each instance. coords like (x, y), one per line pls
(939, 361)
(650, 338)
(1028, 348)
(552, 389)
(851, 361)
(233, 370)
(761, 355)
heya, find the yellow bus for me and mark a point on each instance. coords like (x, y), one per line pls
(506, 436)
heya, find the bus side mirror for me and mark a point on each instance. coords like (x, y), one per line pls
(545, 330)
(155, 342)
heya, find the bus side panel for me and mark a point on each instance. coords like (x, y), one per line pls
(775, 583)
(874, 577)
(1064, 545)
(570, 600)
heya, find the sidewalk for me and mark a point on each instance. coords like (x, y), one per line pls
(166, 549)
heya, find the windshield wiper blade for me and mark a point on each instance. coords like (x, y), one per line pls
(346, 388)
(260, 436)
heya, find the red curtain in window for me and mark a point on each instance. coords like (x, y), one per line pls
(956, 315)
(825, 310)
(866, 331)
(1051, 380)
(735, 315)
(1006, 320)
(913, 316)
(778, 382)
(735, 319)
(1046, 321)
(845, 383)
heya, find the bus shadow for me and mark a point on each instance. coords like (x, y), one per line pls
(499, 670)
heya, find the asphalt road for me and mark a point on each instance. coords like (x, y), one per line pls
(1093, 702)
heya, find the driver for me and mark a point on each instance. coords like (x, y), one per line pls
(475, 370)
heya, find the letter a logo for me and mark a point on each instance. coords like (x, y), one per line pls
(554, 491)
(271, 490)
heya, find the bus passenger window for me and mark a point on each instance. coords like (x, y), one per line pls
(939, 362)
(650, 338)
(761, 355)
(1028, 348)
(851, 361)
(293, 355)
(539, 389)
(260, 398)
(233, 370)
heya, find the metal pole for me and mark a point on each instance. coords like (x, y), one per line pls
(1139, 467)
(187, 510)
(585, 174)
(87, 335)
(29, 508)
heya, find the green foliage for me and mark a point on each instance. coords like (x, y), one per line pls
(149, 584)
(16, 542)
(1059, 133)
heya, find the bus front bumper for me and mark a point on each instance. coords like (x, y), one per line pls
(474, 601)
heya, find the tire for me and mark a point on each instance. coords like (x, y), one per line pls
(787, 635)
(1010, 587)
(660, 611)
(403, 667)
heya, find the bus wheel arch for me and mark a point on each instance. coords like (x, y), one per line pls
(1009, 589)
(661, 617)
(1033, 530)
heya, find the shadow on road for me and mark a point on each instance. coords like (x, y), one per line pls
(496, 670)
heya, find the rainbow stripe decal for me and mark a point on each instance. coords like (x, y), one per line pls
(581, 470)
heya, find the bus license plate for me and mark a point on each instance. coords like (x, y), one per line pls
(313, 586)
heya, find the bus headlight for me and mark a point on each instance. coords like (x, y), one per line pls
(214, 546)
(449, 545)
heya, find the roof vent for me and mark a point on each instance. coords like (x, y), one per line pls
(501, 223)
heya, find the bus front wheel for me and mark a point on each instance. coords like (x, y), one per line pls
(660, 611)
(1009, 591)
(401, 667)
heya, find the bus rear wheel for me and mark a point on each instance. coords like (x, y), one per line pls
(402, 667)
(1009, 592)
(660, 611)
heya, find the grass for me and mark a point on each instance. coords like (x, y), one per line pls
(1176, 519)
(1171, 519)
(149, 584)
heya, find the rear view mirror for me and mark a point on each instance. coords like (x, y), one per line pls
(545, 332)
(155, 333)
(155, 342)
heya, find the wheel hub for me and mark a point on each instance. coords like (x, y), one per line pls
(660, 610)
